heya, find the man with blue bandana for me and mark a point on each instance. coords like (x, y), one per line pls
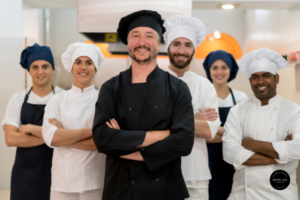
(31, 173)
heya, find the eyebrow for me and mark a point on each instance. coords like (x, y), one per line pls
(81, 60)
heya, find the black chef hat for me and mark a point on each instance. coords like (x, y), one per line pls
(142, 18)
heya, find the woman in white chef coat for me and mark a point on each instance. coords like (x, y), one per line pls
(221, 68)
(77, 167)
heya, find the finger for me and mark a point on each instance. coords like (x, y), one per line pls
(115, 121)
(109, 125)
(112, 123)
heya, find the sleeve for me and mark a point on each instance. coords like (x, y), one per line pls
(181, 140)
(110, 141)
(13, 113)
(290, 150)
(210, 100)
(233, 151)
(52, 110)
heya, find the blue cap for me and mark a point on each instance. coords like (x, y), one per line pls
(36, 52)
(226, 57)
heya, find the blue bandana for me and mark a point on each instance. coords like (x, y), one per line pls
(36, 52)
(226, 57)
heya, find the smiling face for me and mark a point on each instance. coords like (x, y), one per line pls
(83, 71)
(41, 72)
(181, 52)
(219, 72)
(264, 84)
(143, 44)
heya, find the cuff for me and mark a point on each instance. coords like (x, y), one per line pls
(242, 156)
(48, 134)
(214, 127)
(281, 148)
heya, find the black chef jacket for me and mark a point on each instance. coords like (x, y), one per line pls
(162, 103)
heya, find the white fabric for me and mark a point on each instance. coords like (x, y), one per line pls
(87, 195)
(188, 27)
(13, 110)
(81, 49)
(195, 166)
(228, 102)
(73, 170)
(198, 193)
(270, 123)
(261, 60)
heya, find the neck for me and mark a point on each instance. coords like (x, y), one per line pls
(42, 91)
(178, 71)
(265, 101)
(222, 90)
(82, 86)
(140, 72)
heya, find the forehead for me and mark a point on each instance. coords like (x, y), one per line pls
(182, 40)
(143, 30)
(83, 58)
(261, 73)
(219, 62)
(40, 62)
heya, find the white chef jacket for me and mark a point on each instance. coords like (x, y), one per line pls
(13, 110)
(270, 123)
(228, 102)
(74, 170)
(195, 166)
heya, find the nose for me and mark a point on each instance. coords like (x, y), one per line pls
(260, 80)
(181, 50)
(141, 41)
(83, 67)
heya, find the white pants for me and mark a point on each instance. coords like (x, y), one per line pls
(198, 193)
(87, 195)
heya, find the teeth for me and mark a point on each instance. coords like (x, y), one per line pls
(142, 50)
(261, 88)
(83, 74)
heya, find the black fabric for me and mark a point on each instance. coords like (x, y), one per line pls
(142, 18)
(31, 173)
(221, 172)
(162, 103)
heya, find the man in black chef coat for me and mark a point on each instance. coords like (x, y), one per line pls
(154, 112)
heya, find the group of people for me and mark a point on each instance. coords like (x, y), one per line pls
(150, 134)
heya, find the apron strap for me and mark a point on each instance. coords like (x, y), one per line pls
(232, 96)
(27, 95)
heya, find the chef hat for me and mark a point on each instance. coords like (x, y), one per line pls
(142, 18)
(226, 57)
(188, 27)
(81, 49)
(262, 60)
(36, 52)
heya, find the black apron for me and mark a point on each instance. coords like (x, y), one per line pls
(31, 173)
(221, 172)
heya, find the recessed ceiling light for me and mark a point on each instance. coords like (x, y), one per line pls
(228, 6)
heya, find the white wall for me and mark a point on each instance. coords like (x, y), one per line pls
(11, 76)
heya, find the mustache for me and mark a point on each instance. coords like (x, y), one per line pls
(181, 55)
(144, 47)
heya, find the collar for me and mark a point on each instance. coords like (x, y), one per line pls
(77, 90)
(257, 102)
(150, 77)
(174, 74)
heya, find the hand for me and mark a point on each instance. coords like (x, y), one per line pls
(113, 124)
(208, 114)
(25, 129)
(249, 143)
(56, 123)
(289, 137)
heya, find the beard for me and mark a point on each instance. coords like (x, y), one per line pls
(153, 55)
(181, 64)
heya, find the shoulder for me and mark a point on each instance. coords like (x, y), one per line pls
(19, 97)
(289, 105)
(239, 96)
(115, 81)
(58, 90)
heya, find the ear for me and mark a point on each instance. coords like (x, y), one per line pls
(159, 46)
(277, 78)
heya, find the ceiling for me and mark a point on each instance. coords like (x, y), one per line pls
(197, 4)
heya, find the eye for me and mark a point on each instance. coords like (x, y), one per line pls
(45, 66)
